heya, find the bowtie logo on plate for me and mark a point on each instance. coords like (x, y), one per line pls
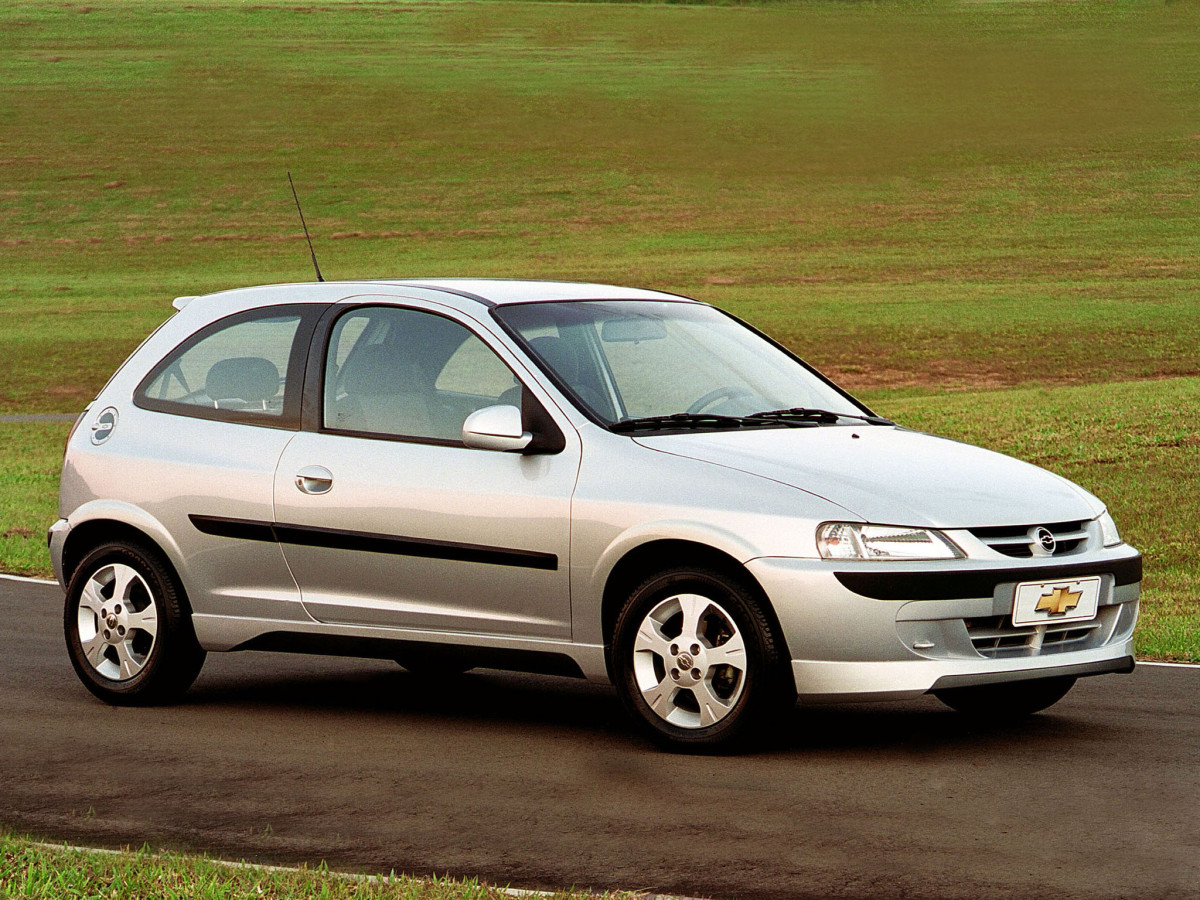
(1058, 601)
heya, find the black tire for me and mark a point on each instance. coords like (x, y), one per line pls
(714, 705)
(1006, 701)
(133, 661)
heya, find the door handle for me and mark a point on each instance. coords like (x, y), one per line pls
(314, 480)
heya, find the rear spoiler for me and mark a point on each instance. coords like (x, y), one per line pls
(181, 302)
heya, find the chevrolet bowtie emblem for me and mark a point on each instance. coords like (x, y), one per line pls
(1058, 601)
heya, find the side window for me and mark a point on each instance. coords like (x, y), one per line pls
(405, 373)
(245, 368)
(475, 371)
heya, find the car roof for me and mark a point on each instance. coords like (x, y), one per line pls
(488, 291)
(501, 290)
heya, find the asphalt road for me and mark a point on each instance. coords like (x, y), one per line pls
(539, 782)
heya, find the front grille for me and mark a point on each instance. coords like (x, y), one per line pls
(996, 636)
(1019, 540)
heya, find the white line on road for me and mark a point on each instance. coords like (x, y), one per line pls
(1169, 665)
(255, 867)
(350, 876)
(27, 579)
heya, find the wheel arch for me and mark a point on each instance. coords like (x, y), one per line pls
(103, 526)
(647, 559)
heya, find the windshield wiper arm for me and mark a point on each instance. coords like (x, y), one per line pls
(687, 421)
(808, 414)
(796, 417)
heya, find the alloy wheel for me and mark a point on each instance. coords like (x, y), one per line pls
(689, 661)
(117, 622)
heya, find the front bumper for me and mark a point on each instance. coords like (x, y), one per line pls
(819, 681)
(847, 646)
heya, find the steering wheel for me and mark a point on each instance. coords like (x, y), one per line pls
(726, 392)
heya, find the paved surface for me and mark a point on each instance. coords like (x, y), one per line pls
(38, 417)
(539, 781)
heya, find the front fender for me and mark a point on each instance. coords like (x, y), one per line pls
(728, 542)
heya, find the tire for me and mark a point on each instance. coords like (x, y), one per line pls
(1007, 701)
(128, 627)
(737, 681)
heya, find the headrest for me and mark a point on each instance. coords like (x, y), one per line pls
(378, 370)
(249, 378)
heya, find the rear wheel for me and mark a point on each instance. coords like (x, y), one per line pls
(1006, 701)
(129, 634)
(696, 661)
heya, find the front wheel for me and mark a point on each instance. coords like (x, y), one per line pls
(127, 627)
(696, 661)
(1008, 700)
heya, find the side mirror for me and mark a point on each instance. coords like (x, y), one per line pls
(496, 428)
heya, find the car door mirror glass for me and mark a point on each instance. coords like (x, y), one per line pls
(496, 428)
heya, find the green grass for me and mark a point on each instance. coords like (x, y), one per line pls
(39, 872)
(30, 460)
(911, 194)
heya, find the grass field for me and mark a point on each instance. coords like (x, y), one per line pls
(982, 217)
(911, 194)
(40, 872)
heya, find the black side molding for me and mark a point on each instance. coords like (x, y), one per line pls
(310, 536)
(242, 529)
(367, 542)
(949, 585)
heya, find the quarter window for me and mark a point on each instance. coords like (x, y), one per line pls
(244, 368)
(404, 373)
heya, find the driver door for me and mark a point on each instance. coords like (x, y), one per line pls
(385, 516)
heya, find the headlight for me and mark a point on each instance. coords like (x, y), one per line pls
(846, 540)
(1108, 530)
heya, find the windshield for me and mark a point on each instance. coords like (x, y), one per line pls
(633, 359)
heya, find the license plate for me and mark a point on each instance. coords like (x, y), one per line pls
(1046, 602)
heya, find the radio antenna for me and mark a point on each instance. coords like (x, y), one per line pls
(311, 252)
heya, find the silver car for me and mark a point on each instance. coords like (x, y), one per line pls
(617, 484)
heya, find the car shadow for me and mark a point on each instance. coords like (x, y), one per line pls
(384, 688)
(551, 703)
(913, 726)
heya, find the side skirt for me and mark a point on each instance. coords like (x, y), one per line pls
(230, 633)
(539, 662)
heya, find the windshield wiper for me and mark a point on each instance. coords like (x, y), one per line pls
(796, 417)
(689, 421)
(820, 416)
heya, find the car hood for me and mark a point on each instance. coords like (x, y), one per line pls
(892, 475)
